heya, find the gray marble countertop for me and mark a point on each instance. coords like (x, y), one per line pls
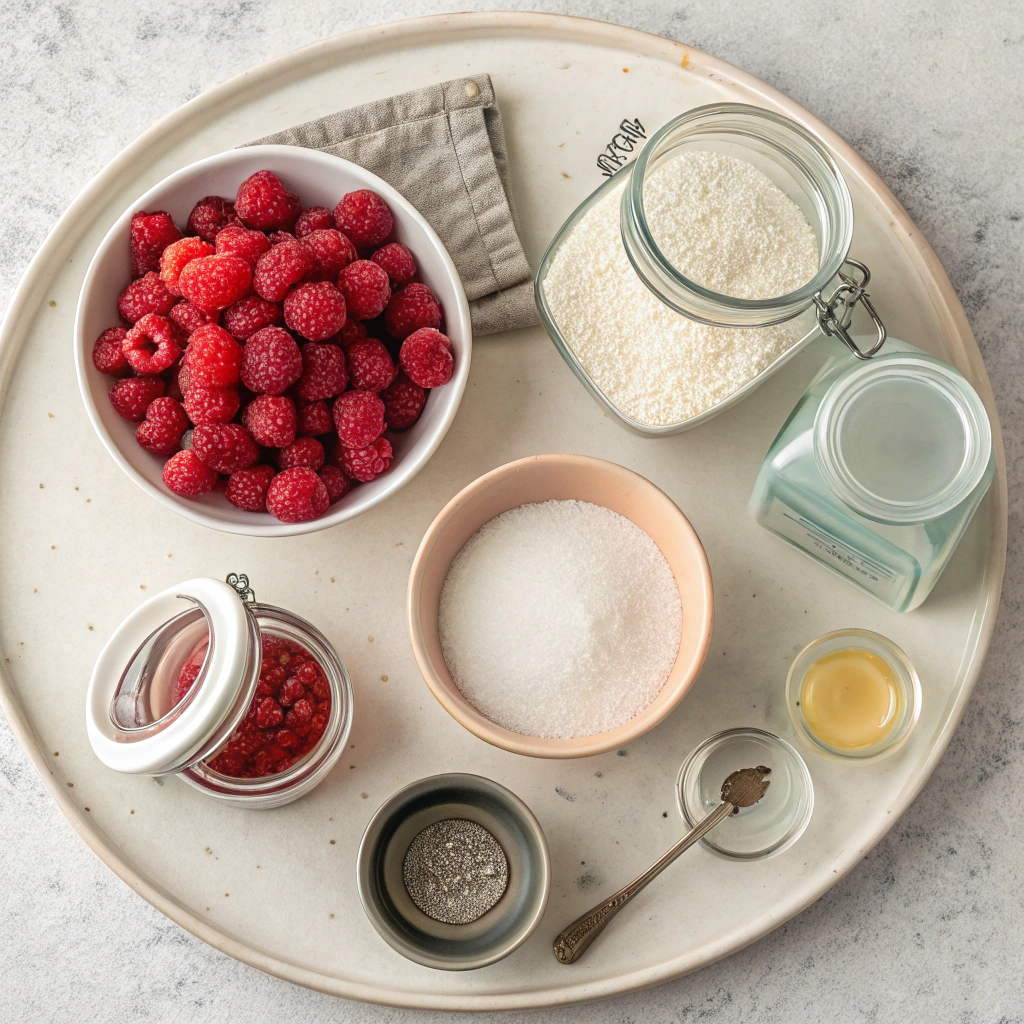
(931, 924)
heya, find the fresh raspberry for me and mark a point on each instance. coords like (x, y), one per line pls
(160, 432)
(249, 315)
(323, 372)
(188, 317)
(268, 713)
(403, 402)
(234, 240)
(410, 309)
(151, 346)
(335, 481)
(130, 398)
(225, 447)
(426, 357)
(308, 673)
(277, 237)
(314, 418)
(316, 311)
(286, 738)
(291, 691)
(366, 464)
(297, 495)
(300, 714)
(210, 405)
(146, 295)
(150, 234)
(210, 215)
(303, 451)
(351, 332)
(369, 365)
(332, 251)
(178, 256)
(186, 475)
(366, 289)
(263, 202)
(271, 361)
(281, 267)
(271, 420)
(214, 358)
(107, 354)
(364, 217)
(215, 282)
(313, 218)
(397, 262)
(358, 418)
(247, 488)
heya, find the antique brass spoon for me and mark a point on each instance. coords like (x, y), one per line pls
(742, 788)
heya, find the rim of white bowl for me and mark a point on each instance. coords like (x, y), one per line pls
(264, 525)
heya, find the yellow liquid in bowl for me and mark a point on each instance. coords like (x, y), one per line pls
(850, 699)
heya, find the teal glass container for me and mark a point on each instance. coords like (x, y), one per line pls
(878, 470)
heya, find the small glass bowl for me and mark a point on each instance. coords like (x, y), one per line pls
(771, 825)
(907, 682)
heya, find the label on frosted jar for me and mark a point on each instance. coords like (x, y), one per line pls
(869, 573)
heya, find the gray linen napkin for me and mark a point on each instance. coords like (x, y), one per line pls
(443, 148)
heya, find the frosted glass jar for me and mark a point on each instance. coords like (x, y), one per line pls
(796, 162)
(878, 470)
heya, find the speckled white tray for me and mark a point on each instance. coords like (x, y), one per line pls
(277, 889)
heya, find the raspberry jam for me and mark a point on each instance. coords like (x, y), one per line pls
(247, 702)
(286, 718)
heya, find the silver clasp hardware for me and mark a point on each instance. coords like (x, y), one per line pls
(844, 298)
(240, 584)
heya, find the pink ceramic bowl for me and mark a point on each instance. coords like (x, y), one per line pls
(541, 478)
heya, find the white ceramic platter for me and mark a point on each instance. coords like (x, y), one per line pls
(84, 546)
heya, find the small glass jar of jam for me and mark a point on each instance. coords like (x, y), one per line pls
(247, 702)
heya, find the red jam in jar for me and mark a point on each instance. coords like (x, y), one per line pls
(287, 716)
(247, 702)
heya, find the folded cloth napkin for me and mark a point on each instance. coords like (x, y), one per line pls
(443, 148)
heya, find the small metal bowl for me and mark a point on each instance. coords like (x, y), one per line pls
(448, 947)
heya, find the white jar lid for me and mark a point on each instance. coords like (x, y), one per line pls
(130, 721)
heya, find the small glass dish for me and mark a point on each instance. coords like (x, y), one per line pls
(908, 700)
(771, 825)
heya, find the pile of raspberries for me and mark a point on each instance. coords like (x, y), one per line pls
(267, 348)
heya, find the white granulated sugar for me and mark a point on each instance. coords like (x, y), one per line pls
(727, 226)
(560, 619)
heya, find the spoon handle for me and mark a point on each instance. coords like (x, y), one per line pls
(574, 941)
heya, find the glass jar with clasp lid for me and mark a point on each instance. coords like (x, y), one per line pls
(878, 471)
(771, 330)
(247, 702)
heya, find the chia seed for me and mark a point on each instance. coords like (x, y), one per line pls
(455, 871)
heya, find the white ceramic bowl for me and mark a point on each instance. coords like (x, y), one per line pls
(320, 180)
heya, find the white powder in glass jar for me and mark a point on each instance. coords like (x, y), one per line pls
(560, 619)
(725, 225)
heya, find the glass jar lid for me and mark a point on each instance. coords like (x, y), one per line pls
(902, 438)
(175, 679)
